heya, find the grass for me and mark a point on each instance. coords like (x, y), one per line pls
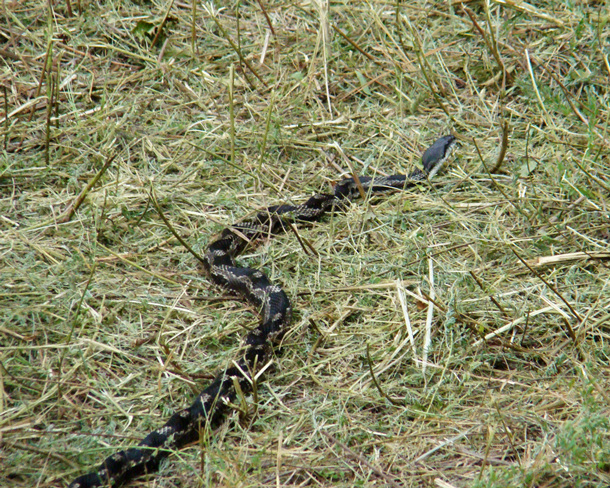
(107, 325)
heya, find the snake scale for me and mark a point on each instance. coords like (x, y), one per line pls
(213, 403)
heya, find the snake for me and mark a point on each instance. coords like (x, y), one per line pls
(213, 404)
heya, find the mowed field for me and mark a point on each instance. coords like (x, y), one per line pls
(455, 335)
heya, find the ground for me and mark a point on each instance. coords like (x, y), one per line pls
(453, 335)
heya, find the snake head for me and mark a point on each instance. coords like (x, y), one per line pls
(436, 155)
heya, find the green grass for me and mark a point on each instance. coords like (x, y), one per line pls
(107, 324)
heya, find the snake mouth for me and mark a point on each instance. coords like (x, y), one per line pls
(437, 154)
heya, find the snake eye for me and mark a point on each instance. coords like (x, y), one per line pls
(437, 154)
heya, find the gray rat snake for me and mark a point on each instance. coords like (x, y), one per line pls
(213, 403)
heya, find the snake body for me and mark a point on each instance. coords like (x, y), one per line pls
(213, 403)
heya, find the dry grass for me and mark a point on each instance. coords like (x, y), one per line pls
(107, 325)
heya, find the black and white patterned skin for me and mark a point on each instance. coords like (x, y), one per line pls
(213, 403)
